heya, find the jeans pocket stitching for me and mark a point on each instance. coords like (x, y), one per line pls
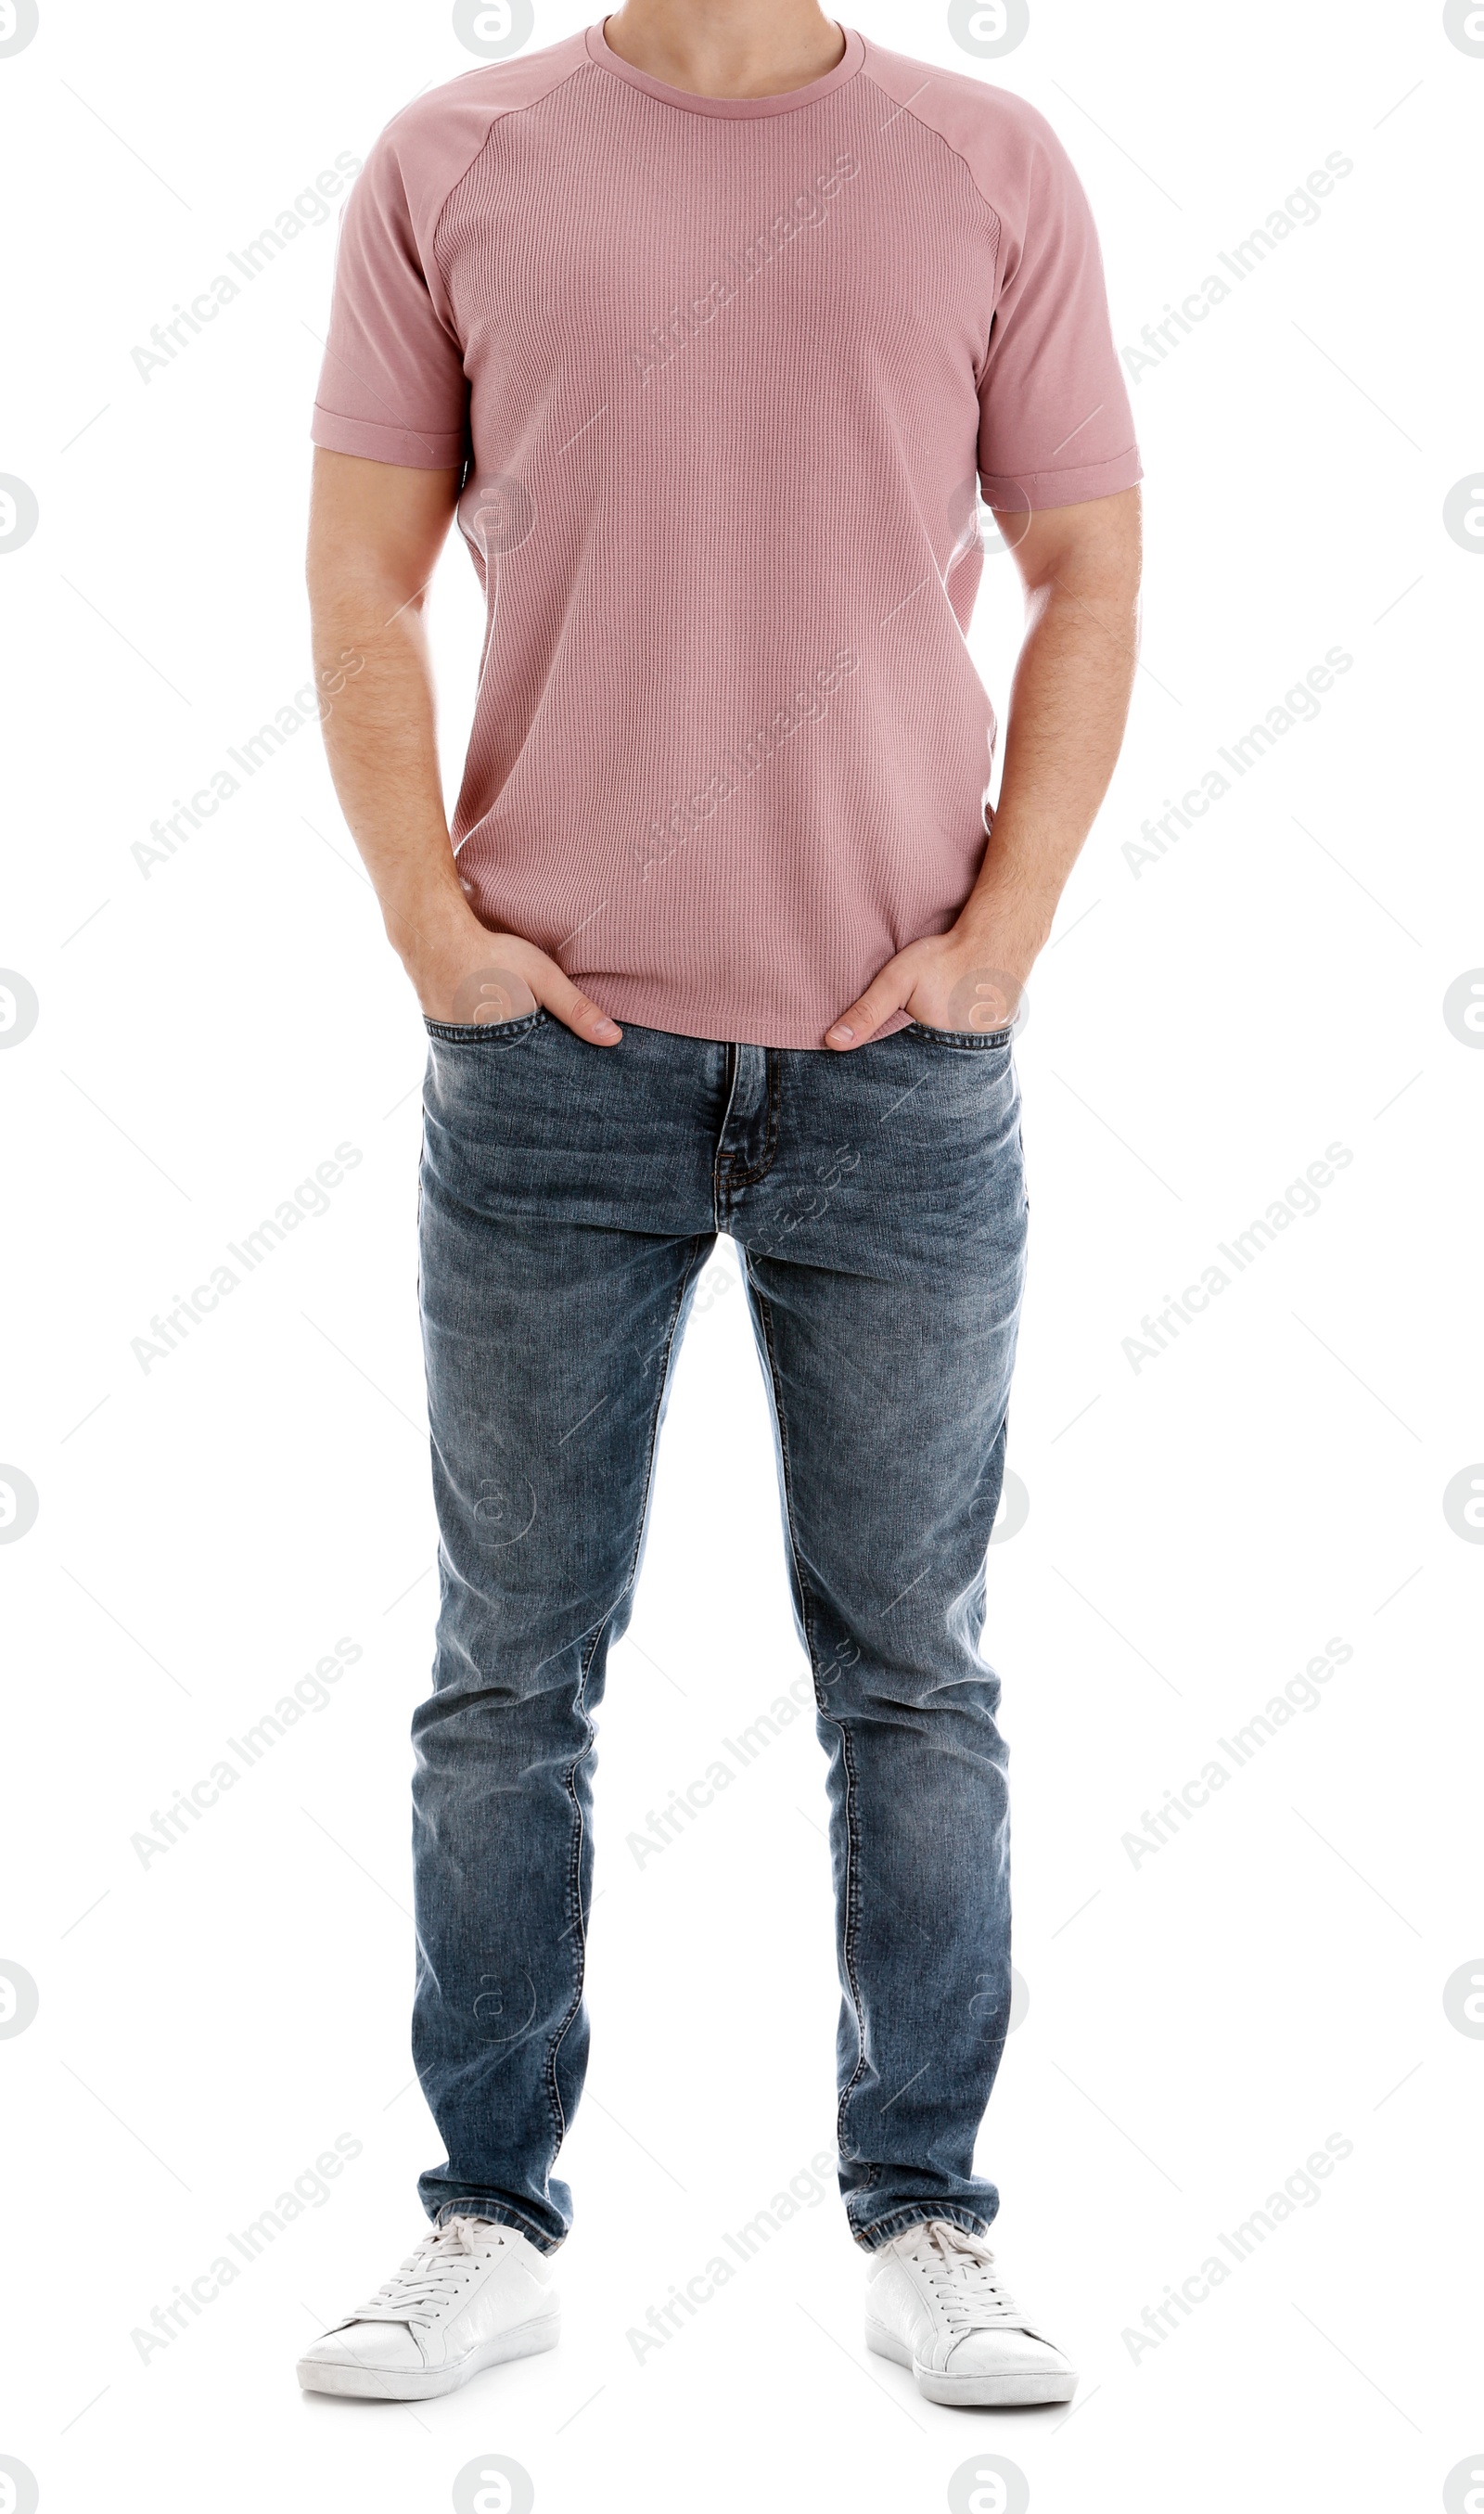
(457, 1032)
(972, 1039)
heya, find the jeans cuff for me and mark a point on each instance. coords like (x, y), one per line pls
(497, 2216)
(884, 2230)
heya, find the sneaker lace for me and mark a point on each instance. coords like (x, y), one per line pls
(431, 2280)
(958, 2269)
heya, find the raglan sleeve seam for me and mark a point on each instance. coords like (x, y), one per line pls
(501, 114)
(436, 225)
(942, 137)
(996, 222)
(1050, 484)
(389, 437)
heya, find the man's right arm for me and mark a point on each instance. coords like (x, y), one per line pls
(375, 533)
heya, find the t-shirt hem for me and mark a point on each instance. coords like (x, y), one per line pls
(648, 1009)
(418, 449)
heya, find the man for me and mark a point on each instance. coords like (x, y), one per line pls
(705, 323)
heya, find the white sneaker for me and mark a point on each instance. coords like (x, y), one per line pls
(473, 2294)
(933, 2303)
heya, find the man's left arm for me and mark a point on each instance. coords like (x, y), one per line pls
(1068, 705)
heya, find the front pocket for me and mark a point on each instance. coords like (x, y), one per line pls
(470, 1033)
(970, 1038)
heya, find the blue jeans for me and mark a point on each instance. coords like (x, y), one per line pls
(570, 1197)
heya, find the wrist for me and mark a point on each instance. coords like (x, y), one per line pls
(1011, 934)
(424, 926)
(1009, 913)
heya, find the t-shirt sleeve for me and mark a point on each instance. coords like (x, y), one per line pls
(392, 387)
(1055, 422)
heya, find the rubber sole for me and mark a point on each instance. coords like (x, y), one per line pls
(383, 2384)
(972, 2391)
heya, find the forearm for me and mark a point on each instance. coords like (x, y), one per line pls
(1071, 697)
(380, 741)
(1069, 707)
(375, 533)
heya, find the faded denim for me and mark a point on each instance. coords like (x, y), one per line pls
(570, 1197)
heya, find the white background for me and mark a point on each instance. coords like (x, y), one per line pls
(1198, 1528)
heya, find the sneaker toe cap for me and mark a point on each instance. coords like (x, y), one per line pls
(1002, 2352)
(386, 2346)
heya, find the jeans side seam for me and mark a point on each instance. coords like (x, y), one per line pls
(850, 1907)
(575, 1885)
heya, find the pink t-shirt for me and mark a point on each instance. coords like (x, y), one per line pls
(721, 374)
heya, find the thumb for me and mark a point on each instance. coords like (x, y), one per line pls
(887, 992)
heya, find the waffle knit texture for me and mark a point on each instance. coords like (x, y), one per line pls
(719, 376)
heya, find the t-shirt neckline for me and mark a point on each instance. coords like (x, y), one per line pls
(734, 108)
